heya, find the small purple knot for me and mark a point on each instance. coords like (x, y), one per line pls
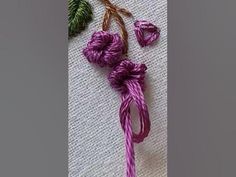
(146, 33)
(104, 49)
(127, 71)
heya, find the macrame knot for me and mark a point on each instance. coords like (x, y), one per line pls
(128, 78)
(146, 33)
(125, 72)
(104, 49)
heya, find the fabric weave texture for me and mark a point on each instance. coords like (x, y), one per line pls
(96, 139)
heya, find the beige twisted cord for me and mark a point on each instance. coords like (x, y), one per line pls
(113, 10)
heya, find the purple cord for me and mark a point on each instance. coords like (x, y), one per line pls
(128, 78)
(146, 33)
(105, 49)
(129, 148)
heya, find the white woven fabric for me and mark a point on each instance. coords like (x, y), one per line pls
(96, 141)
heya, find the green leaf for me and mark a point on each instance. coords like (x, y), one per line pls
(80, 14)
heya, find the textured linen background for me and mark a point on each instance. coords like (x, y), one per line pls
(96, 141)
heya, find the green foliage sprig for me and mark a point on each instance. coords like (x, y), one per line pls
(80, 14)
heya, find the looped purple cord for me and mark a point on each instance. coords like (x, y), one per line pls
(146, 32)
(128, 78)
(104, 49)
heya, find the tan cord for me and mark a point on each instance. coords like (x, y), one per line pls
(113, 10)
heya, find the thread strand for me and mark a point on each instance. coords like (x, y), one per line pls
(129, 146)
(128, 78)
(113, 10)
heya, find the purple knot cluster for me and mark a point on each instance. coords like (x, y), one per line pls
(127, 71)
(104, 49)
(146, 32)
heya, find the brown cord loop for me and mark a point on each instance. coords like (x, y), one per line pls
(113, 10)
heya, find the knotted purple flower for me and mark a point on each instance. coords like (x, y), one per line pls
(146, 33)
(127, 71)
(104, 49)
